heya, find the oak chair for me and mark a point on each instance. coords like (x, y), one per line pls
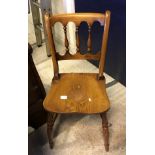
(78, 92)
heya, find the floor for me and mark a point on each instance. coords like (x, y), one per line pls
(78, 134)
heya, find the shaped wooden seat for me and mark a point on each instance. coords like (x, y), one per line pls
(77, 92)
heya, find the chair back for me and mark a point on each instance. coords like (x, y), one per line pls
(77, 19)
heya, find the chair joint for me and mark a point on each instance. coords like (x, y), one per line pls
(100, 77)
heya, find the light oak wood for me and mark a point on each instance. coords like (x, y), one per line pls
(89, 43)
(78, 92)
(79, 56)
(104, 43)
(66, 41)
(51, 45)
(77, 18)
(77, 38)
(83, 93)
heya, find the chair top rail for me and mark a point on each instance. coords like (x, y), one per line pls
(77, 18)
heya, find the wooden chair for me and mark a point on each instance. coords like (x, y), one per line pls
(78, 92)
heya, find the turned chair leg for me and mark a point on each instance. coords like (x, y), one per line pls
(51, 117)
(105, 131)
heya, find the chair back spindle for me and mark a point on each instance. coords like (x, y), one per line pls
(89, 39)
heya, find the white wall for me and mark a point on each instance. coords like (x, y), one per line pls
(63, 6)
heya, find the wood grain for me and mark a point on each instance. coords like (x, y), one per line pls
(79, 88)
(89, 43)
(51, 45)
(77, 38)
(78, 92)
(104, 43)
(79, 56)
(77, 18)
(84, 93)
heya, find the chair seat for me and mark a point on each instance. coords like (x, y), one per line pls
(77, 93)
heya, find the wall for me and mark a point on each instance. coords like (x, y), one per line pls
(116, 53)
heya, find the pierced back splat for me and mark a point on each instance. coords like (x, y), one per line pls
(77, 18)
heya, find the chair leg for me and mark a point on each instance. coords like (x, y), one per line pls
(105, 131)
(51, 117)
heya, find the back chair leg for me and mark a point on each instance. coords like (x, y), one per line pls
(51, 117)
(105, 131)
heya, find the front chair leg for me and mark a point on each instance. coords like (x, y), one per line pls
(105, 131)
(51, 117)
